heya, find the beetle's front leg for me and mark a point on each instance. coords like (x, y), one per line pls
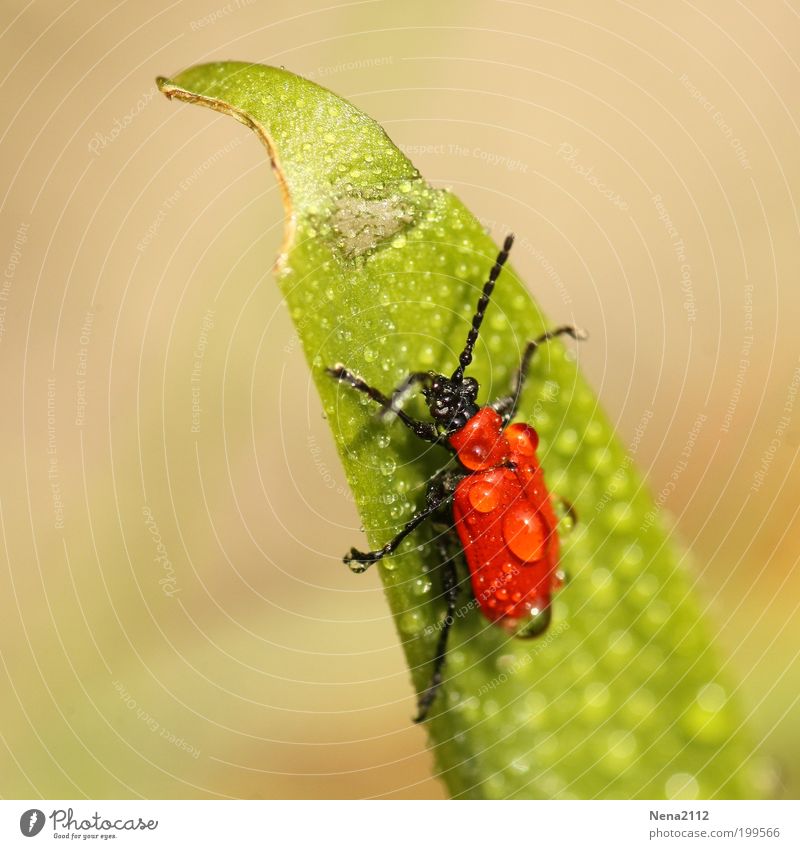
(424, 430)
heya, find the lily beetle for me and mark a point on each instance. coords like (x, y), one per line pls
(499, 503)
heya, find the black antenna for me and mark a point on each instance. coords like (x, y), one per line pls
(472, 337)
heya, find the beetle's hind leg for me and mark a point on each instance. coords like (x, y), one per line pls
(450, 592)
(360, 561)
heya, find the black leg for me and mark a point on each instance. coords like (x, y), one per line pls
(424, 430)
(400, 392)
(360, 561)
(507, 407)
(450, 591)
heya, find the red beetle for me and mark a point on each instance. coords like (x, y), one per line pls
(501, 506)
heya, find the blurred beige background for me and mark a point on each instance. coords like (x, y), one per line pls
(174, 617)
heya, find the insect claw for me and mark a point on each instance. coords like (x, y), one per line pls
(363, 560)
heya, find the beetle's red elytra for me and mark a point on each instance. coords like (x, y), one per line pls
(506, 522)
(500, 506)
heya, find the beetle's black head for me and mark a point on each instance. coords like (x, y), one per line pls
(451, 402)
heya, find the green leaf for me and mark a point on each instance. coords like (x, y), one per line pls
(622, 697)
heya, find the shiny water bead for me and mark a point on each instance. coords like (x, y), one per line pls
(522, 439)
(524, 531)
(480, 443)
(485, 494)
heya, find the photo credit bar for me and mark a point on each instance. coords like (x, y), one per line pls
(613, 824)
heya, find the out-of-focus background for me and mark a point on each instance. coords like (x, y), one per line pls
(175, 620)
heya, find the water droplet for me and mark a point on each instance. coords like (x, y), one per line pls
(524, 532)
(422, 586)
(567, 441)
(426, 356)
(596, 699)
(641, 705)
(370, 355)
(388, 465)
(682, 785)
(565, 516)
(644, 588)
(711, 698)
(621, 747)
(383, 440)
(657, 612)
(603, 585)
